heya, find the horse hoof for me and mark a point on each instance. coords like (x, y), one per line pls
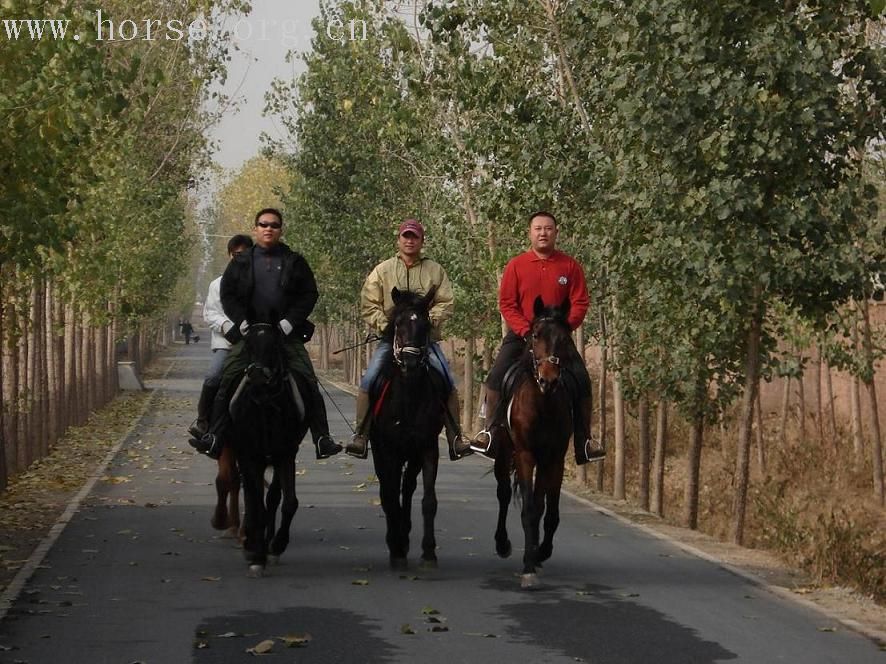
(529, 581)
(503, 550)
(273, 560)
(256, 571)
(398, 564)
(430, 563)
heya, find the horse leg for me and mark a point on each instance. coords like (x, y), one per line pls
(504, 492)
(234, 526)
(550, 482)
(286, 471)
(254, 547)
(407, 491)
(429, 509)
(224, 485)
(529, 518)
(389, 472)
(272, 502)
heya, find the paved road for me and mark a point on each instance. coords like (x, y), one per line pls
(139, 576)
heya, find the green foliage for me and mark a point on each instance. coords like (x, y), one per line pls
(100, 146)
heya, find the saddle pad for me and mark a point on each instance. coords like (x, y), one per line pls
(380, 399)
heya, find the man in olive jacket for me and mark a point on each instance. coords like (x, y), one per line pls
(407, 271)
(270, 283)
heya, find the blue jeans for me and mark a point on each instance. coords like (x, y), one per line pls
(214, 374)
(385, 350)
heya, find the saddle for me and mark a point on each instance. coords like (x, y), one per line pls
(378, 390)
(513, 378)
(295, 389)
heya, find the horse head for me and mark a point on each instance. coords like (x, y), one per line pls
(409, 326)
(547, 342)
(265, 352)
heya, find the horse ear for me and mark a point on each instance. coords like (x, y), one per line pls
(429, 297)
(564, 308)
(395, 294)
(538, 306)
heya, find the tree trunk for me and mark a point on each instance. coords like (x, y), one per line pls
(658, 464)
(761, 441)
(785, 407)
(5, 400)
(819, 405)
(693, 470)
(467, 389)
(618, 481)
(871, 383)
(644, 445)
(749, 398)
(801, 398)
(26, 393)
(855, 405)
(70, 366)
(601, 399)
(832, 411)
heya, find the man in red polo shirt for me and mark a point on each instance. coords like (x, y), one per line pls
(542, 271)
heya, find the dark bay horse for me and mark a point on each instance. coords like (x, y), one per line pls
(267, 425)
(226, 515)
(405, 428)
(532, 445)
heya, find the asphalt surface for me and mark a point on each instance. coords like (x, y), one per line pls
(138, 575)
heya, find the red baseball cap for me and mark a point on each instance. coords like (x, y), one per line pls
(412, 226)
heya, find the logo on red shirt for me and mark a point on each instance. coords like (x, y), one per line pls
(562, 281)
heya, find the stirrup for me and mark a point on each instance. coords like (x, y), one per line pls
(358, 450)
(591, 453)
(478, 444)
(454, 454)
(196, 430)
(325, 447)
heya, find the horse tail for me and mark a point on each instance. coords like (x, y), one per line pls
(516, 496)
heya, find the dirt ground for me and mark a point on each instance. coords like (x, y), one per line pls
(35, 500)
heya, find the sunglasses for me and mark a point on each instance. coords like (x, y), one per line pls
(276, 225)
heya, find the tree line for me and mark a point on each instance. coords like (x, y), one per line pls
(716, 167)
(100, 146)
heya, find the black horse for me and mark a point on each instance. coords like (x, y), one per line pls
(267, 425)
(405, 428)
(532, 445)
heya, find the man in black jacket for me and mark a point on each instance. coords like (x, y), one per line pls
(270, 283)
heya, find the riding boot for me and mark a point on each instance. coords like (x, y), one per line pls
(484, 442)
(324, 446)
(459, 446)
(204, 409)
(359, 445)
(210, 443)
(586, 448)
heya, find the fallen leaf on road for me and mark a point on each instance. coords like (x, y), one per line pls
(295, 640)
(229, 635)
(118, 479)
(262, 648)
(406, 629)
(827, 629)
(429, 611)
(439, 628)
(211, 578)
(200, 645)
(360, 582)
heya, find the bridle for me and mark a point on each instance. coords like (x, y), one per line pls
(538, 361)
(410, 349)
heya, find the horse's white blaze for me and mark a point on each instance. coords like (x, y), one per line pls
(528, 580)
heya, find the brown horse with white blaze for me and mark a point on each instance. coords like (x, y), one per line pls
(532, 445)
